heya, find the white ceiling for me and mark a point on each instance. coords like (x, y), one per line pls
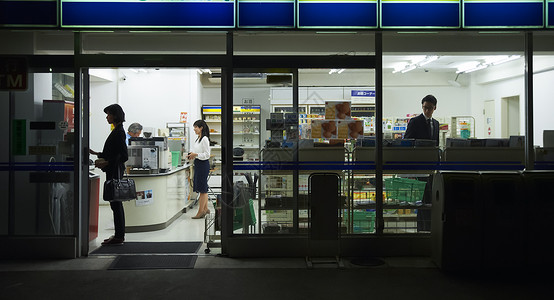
(447, 63)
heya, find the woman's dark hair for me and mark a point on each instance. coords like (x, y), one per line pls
(116, 111)
(205, 130)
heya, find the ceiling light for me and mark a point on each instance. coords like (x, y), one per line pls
(427, 60)
(416, 63)
(505, 59)
(479, 66)
(408, 68)
(338, 71)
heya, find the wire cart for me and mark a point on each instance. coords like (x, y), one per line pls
(243, 216)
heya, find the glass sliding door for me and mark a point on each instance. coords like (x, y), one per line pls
(264, 139)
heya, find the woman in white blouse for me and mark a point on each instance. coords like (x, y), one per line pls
(200, 152)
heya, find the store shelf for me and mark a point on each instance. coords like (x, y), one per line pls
(234, 121)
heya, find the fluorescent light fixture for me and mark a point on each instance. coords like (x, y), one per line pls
(427, 60)
(338, 71)
(505, 59)
(489, 61)
(143, 70)
(477, 67)
(134, 70)
(408, 68)
(204, 71)
(416, 63)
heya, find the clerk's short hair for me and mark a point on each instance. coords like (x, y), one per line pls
(430, 99)
(116, 111)
(135, 128)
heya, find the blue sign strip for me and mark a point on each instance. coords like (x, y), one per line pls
(148, 14)
(266, 14)
(37, 166)
(328, 15)
(370, 166)
(25, 13)
(362, 93)
(498, 14)
(406, 14)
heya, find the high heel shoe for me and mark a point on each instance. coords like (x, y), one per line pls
(200, 216)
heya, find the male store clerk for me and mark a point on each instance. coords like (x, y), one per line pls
(427, 128)
(424, 126)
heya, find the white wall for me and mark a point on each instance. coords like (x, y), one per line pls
(151, 99)
(543, 109)
(508, 80)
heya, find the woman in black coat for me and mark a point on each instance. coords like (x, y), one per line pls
(112, 161)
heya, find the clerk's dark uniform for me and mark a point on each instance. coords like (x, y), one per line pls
(420, 128)
(115, 152)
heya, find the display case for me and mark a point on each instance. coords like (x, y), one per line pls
(246, 132)
(178, 142)
(281, 211)
(406, 182)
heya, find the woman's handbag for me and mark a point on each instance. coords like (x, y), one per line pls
(119, 189)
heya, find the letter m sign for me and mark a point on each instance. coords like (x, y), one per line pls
(13, 73)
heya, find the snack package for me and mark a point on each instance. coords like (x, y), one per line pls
(343, 127)
(337, 110)
(324, 129)
(350, 129)
(355, 129)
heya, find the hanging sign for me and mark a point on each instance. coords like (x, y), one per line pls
(503, 14)
(148, 13)
(337, 14)
(266, 13)
(420, 14)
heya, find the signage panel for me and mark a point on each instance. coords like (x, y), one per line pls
(13, 74)
(148, 13)
(420, 14)
(337, 14)
(29, 13)
(266, 13)
(362, 93)
(503, 14)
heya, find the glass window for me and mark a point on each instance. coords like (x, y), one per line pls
(477, 81)
(42, 131)
(543, 66)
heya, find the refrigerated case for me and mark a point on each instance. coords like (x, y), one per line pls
(246, 131)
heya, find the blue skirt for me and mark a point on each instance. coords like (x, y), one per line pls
(201, 171)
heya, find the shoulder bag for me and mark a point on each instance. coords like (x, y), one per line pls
(119, 189)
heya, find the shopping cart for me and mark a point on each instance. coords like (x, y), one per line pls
(243, 213)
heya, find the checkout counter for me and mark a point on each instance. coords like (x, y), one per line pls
(161, 199)
(163, 185)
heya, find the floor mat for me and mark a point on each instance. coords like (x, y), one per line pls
(149, 248)
(142, 262)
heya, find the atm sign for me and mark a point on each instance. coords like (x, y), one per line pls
(13, 74)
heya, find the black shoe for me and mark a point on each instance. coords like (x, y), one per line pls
(113, 241)
(111, 237)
